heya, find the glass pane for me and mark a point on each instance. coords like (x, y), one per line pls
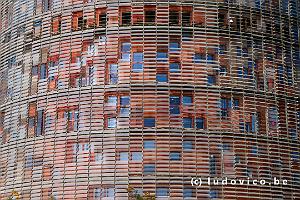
(125, 101)
(123, 156)
(187, 122)
(174, 67)
(149, 122)
(137, 156)
(149, 144)
(187, 100)
(162, 78)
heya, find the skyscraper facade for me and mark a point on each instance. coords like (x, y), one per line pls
(111, 99)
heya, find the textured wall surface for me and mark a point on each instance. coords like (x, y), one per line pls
(98, 96)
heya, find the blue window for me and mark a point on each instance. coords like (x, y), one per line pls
(161, 55)
(238, 51)
(280, 74)
(34, 71)
(174, 67)
(149, 122)
(112, 101)
(174, 105)
(295, 155)
(174, 46)
(138, 59)
(162, 78)
(126, 47)
(149, 168)
(113, 76)
(213, 194)
(162, 192)
(123, 156)
(149, 144)
(187, 122)
(225, 106)
(199, 57)
(43, 71)
(222, 49)
(289, 75)
(212, 165)
(210, 58)
(187, 100)
(124, 100)
(175, 156)
(236, 104)
(211, 80)
(111, 122)
(187, 145)
(254, 150)
(187, 193)
(200, 123)
(137, 156)
(223, 71)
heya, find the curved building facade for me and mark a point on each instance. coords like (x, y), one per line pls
(100, 96)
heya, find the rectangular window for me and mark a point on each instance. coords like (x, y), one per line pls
(223, 71)
(56, 25)
(187, 123)
(174, 46)
(123, 156)
(72, 119)
(37, 28)
(46, 5)
(100, 193)
(187, 34)
(112, 122)
(162, 56)
(186, 18)
(174, 105)
(187, 145)
(226, 106)
(212, 165)
(40, 123)
(126, 18)
(28, 161)
(149, 168)
(273, 118)
(187, 100)
(213, 194)
(43, 71)
(200, 123)
(210, 58)
(137, 156)
(149, 122)
(138, 59)
(175, 156)
(289, 75)
(77, 21)
(124, 101)
(211, 80)
(174, 17)
(198, 58)
(113, 74)
(125, 51)
(150, 16)
(162, 192)
(162, 78)
(187, 193)
(101, 17)
(149, 144)
(174, 67)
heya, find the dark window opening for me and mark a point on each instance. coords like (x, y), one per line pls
(150, 16)
(174, 18)
(126, 18)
